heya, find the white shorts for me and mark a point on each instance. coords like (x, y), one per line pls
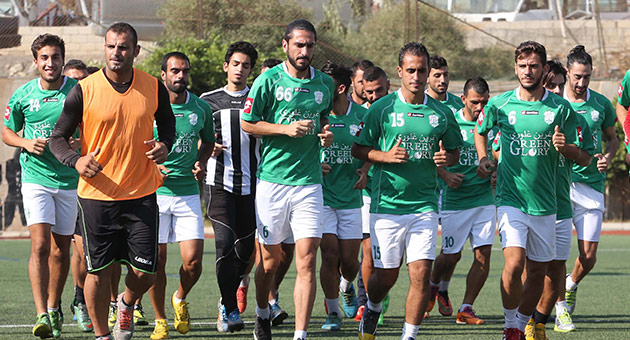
(56, 207)
(181, 218)
(535, 234)
(479, 224)
(288, 210)
(393, 236)
(564, 229)
(588, 211)
(345, 223)
(365, 214)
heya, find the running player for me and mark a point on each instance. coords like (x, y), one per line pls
(588, 182)
(344, 179)
(403, 213)
(623, 104)
(438, 81)
(288, 106)
(118, 209)
(48, 188)
(467, 211)
(529, 120)
(358, 95)
(230, 182)
(181, 219)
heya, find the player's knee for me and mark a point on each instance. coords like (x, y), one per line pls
(192, 265)
(330, 259)
(588, 259)
(145, 278)
(40, 250)
(452, 259)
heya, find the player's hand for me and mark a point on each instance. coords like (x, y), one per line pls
(602, 162)
(558, 139)
(87, 166)
(158, 152)
(493, 180)
(218, 148)
(325, 169)
(326, 136)
(299, 128)
(440, 158)
(75, 143)
(396, 154)
(362, 181)
(199, 171)
(36, 146)
(486, 167)
(453, 179)
(163, 171)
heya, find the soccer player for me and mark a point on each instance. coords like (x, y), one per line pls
(438, 81)
(344, 179)
(623, 104)
(288, 106)
(419, 134)
(48, 188)
(75, 69)
(116, 108)
(588, 182)
(358, 95)
(181, 219)
(467, 211)
(535, 126)
(375, 84)
(231, 182)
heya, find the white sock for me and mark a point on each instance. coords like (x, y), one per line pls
(434, 284)
(50, 310)
(124, 304)
(333, 306)
(297, 335)
(273, 302)
(244, 281)
(444, 286)
(176, 299)
(510, 317)
(561, 306)
(344, 285)
(522, 320)
(570, 285)
(376, 307)
(464, 305)
(262, 313)
(410, 331)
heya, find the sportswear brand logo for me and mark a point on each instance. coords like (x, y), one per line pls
(51, 100)
(415, 114)
(248, 105)
(528, 112)
(319, 97)
(482, 115)
(579, 131)
(7, 113)
(359, 128)
(141, 260)
(301, 89)
(337, 125)
(620, 90)
(581, 111)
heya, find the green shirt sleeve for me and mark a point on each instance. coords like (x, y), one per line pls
(13, 115)
(487, 118)
(207, 131)
(585, 136)
(624, 90)
(452, 138)
(570, 125)
(610, 116)
(369, 135)
(256, 102)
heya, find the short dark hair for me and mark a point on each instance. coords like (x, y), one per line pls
(175, 54)
(339, 73)
(123, 27)
(413, 48)
(555, 68)
(437, 61)
(374, 73)
(578, 55)
(242, 47)
(478, 84)
(528, 47)
(93, 69)
(362, 65)
(271, 62)
(47, 39)
(299, 24)
(74, 64)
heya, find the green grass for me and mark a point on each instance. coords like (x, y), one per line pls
(600, 314)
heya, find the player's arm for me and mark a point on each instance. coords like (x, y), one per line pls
(610, 136)
(34, 146)
(452, 179)
(622, 112)
(66, 125)
(325, 135)
(165, 121)
(296, 129)
(396, 154)
(362, 172)
(486, 166)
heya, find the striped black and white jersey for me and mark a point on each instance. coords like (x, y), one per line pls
(234, 169)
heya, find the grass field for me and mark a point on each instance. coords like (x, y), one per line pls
(601, 310)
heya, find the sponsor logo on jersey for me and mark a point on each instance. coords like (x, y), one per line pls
(319, 97)
(620, 90)
(415, 114)
(434, 120)
(193, 118)
(595, 115)
(248, 106)
(337, 125)
(549, 117)
(7, 113)
(51, 100)
(529, 112)
(301, 89)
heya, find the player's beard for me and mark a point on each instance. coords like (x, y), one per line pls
(176, 87)
(534, 86)
(293, 63)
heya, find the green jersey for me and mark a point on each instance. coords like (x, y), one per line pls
(474, 191)
(526, 175)
(193, 121)
(600, 115)
(338, 184)
(453, 102)
(624, 91)
(36, 111)
(410, 187)
(278, 98)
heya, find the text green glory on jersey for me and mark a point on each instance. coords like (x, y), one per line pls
(600, 115)
(278, 98)
(526, 175)
(338, 183)
(193, 121)
(411, 187)
(36, 111)
(474, 191)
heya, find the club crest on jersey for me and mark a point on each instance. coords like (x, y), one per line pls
(595, 115)
(7, 113)
(549, 117)
(319, 97)
(355, 129)
(193, 119)
(248, 105)
(512, 117)
(434, 120)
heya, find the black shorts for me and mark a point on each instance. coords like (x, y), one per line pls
(124, 231)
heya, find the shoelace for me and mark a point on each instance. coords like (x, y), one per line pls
(126, 315)
(347, 298)
(565, 317)
(182, 309)
(161, 327)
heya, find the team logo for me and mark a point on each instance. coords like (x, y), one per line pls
(512, 117)
(319, 97)
(595, 115)
(620, 90)
(7, 113)
(464, 135)
(490, 134)
(433, 120)
(193, 119)
(248, 105)
(355, 129)
(549, 117)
